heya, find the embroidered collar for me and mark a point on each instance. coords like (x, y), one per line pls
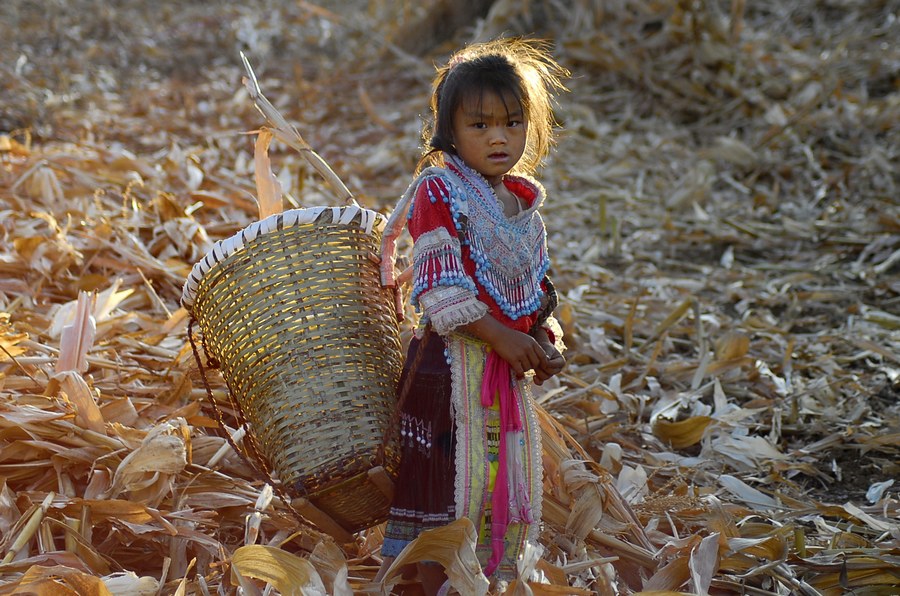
(523, 186)
(510, 253)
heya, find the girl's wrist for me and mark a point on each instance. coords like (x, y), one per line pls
(540, 334)
(487, 329)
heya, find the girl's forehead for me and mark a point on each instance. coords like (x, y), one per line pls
(489, 101)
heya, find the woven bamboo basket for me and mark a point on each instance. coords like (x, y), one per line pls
(308, 343)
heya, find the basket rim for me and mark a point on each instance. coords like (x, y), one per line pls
(370, 221)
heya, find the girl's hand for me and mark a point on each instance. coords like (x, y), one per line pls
(555, 360)
(523, 353)
(520, 350)
(555, 364)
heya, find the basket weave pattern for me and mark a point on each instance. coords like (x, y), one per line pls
(308, 344)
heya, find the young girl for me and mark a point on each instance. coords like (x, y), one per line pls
(470, 440)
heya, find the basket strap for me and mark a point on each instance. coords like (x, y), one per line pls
(401, 397)
(259, 466)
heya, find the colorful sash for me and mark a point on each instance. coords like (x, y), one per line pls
(498, 483)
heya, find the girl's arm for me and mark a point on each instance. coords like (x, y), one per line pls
(520, 350)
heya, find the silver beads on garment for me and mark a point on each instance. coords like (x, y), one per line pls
(415, 433)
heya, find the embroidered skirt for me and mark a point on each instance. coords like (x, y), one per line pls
(423, 496)
(450, 448)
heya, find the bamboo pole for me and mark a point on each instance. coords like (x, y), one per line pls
(288, 134)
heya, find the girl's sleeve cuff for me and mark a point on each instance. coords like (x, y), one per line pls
(449, 307)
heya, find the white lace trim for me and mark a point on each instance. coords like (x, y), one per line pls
(449, 307)
(457, 378)
(436, 238)
(537, 454)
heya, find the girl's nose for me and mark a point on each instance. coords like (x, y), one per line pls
(498, 136)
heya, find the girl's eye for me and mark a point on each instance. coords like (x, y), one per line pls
(514, 123)
(480, 125)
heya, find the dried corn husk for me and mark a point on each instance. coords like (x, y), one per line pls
(453, 546)
(723, 225)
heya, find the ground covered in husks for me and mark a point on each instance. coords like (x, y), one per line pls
(725, 230)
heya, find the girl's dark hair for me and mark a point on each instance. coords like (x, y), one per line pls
(511, 68)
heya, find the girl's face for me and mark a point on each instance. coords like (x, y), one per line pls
(489, 132)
